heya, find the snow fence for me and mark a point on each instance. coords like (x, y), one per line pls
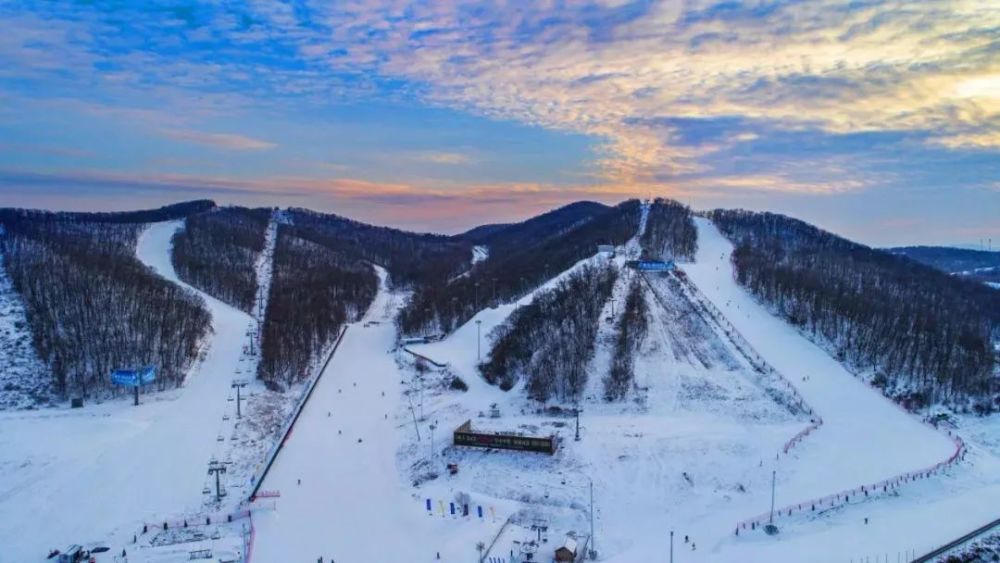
(860, 492)
(260, 474)
(836, 499)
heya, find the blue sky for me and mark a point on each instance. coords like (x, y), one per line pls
(879, 120)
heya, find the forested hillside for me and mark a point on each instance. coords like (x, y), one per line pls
(670, 232)
(521, 258)
(411, 259)
(926, 334)
(90, 303)
(216, 252)
(315, 289)
(631, 330)
(550, 341)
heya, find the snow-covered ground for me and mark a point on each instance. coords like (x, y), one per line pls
(696, 449)
(342, 497)
(95, 474)
(24, 379)
(865, 438)
(692, 449)
(687, 451)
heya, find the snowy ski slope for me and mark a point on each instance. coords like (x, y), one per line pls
(694, 455)
(865, 437)
(73, 476)
(352, 504)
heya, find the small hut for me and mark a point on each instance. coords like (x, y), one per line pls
(567, 551)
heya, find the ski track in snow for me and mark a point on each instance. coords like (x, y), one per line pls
(82, 474)
(865, 438)
(352, 504)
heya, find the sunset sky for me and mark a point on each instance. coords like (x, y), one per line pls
(878, 120)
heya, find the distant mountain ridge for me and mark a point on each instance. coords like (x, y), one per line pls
(978, 265)
(927, 332)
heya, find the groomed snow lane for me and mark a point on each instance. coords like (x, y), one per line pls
(74, 476)
(865, 437)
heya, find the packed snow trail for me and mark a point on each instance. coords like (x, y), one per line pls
(342, 496)
(865, 438)
(82, 473)
(337, 473)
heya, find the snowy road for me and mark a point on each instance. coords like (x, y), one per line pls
(74, 476)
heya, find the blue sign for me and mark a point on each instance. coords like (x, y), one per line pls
(134, 377)
(655, 266)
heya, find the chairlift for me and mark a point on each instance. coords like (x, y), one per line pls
(221, 438)
(206, 491)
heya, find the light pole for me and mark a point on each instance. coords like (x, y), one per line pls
(479, 352)
(414, 415)
(433, 426)
(770, 519)
(771, 529)
(671, 546)
(593, 541)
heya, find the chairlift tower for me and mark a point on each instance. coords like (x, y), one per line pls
(215, 467)
(238, 384)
